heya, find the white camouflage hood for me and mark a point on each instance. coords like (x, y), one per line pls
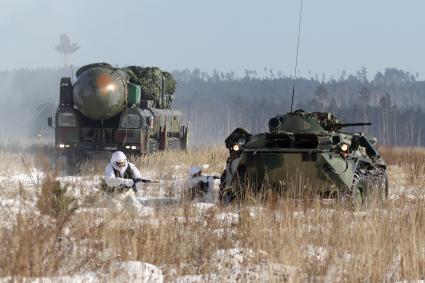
(119, 156)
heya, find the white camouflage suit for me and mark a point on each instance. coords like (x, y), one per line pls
(129, 170)
(194, 181)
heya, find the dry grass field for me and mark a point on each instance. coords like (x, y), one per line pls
(65, 229)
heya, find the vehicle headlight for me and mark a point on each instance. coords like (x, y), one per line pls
(64, 145)
(344, 147)
(236, 147)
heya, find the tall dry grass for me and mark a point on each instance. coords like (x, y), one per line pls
(322, 241)
(411, 160)
(164, 164)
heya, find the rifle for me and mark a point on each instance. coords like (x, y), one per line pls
(137, 180)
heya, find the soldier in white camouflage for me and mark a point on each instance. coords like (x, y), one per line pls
(198, 185)
(121, 174)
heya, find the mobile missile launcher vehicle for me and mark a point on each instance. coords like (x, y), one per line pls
(304, 152)
(109, 109)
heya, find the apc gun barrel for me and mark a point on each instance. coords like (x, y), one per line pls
(343, 125)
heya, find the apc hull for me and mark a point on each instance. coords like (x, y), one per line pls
(303, 154)
(292, 171)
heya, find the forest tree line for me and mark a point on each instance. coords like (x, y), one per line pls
(216, 103)
(393, 101)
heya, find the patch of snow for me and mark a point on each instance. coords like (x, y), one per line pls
(220, 233)
(237, 257)
(392, 271)
(12, 207)
(255, 211)
(126, 271)
(227, 218)
(132, 205)
(186, 220)
(134, 271)
(86, 277)
(316, 253)
(93, 211)
(254, 273)
(202, 207)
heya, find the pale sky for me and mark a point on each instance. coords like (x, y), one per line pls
(217, 34)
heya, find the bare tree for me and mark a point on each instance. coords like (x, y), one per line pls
(364, 97)
(66, 47)
(385, 103)
(321, 94)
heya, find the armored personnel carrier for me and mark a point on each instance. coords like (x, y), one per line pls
(304, 153)
(109, 109)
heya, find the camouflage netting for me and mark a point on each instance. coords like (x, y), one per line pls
(170, 83)
(149, 78)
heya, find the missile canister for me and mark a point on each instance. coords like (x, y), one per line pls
(100, 93)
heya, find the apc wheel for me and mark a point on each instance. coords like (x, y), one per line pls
(378, 185)
(380, 182)
(153, 146)
(359, 190)
(226, 196)
(386, 186)
(174, 144)
(233, 191)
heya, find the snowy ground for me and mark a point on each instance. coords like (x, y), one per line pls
(19, 194)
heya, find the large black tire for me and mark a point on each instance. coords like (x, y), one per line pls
(370, 186)
(174, 144)
(225, 195)
(386, 184)
(153, 145)
(234, 191)
(360, 189)
(379, 180)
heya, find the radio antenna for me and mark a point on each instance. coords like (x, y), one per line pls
(296, 57)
